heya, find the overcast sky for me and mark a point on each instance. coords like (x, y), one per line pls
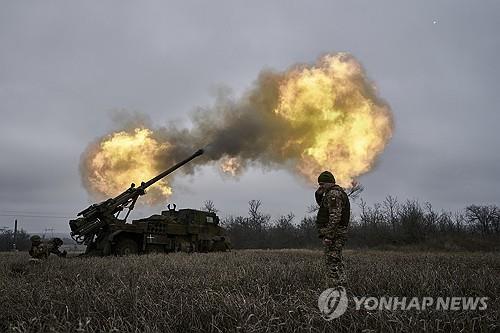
(66, 65)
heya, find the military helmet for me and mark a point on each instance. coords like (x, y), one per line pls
(326, 177)
(35, 239)
(57, 241)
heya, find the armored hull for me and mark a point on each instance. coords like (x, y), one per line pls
(186, 230)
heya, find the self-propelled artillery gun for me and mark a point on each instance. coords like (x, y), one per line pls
(101, 229)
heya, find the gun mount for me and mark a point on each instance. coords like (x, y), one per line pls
(100, 228)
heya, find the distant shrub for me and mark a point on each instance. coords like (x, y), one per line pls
(389, 224)
(23, 242)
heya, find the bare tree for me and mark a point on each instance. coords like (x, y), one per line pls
(365, 212)
(483, 217)
(284, 221)
(355, 191)
(391, 206)
(257, 219)
(430, 216)
(411, 220)
(209, 206)
(254, 208)
(459, 221)
(495, 222)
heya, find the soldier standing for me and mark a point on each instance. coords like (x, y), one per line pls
(332, 222)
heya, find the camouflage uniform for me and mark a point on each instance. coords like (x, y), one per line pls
(42, 249)
(332, 222)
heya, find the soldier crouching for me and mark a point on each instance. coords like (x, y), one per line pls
(42, 249)
(332, 222)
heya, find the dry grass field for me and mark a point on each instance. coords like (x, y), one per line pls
(241, 291)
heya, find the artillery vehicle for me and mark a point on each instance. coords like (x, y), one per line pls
(100, 228)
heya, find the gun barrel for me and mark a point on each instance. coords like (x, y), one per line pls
(172, 169)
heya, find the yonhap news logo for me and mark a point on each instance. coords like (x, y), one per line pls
(421, 303)
(333, 302)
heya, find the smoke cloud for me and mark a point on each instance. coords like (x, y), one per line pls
(309, 118)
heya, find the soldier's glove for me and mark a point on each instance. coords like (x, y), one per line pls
(327, 241)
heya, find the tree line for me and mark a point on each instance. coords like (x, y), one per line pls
(23, 242)
(387, 224)
(384, 225)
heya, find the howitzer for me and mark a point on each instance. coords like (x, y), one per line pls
(96, 217)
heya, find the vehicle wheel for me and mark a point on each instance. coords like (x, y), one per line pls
(125, 247)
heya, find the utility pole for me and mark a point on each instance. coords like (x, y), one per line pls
(15, 236)
(51, 230)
